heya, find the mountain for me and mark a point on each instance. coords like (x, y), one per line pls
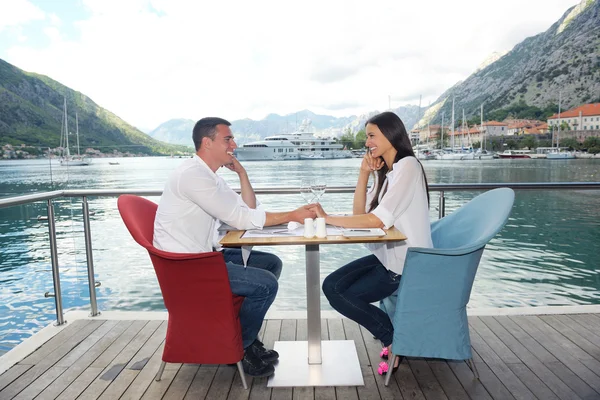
(179, 131)
(565, 58)
(31, 111)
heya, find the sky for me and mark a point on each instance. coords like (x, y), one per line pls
(149, 61)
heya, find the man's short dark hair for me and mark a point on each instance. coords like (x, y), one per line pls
(206, 127)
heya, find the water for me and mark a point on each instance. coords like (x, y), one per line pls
(546, 254)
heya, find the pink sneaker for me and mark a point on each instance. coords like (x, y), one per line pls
(384, 353)
(382, 368)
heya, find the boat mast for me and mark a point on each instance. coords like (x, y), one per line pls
(77, 131)
(67, 152)
(452, 124)
(481, 128)
(442, 132)
(558, 131)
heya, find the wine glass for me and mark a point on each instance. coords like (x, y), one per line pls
(318, 190)
(306, 190)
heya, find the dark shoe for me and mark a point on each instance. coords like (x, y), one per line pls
(254, 366)
(264, 354)
(383, 367)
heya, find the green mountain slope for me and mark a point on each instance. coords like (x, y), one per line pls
(31, 110)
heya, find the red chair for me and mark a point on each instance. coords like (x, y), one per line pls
(204, 325)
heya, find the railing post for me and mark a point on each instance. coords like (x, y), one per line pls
(55, 273)
(442, 205)
(90, 259)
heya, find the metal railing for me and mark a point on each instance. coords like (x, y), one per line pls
(85, 194)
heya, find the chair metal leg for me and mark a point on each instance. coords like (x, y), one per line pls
(160, 371)
(473, 368)
(391, 362)
(242, 374)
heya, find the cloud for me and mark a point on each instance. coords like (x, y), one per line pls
(152, 60)
(19, 12)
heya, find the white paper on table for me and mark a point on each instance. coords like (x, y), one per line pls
(282, 231)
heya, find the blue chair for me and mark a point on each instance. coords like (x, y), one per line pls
(430, 317)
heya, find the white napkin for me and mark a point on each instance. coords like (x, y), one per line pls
(293, 225)
(246, 254)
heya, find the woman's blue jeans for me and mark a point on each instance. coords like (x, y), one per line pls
(352, 288)
(257, 282)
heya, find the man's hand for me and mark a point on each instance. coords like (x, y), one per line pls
(318, 209)
(303, 212)
(235, 166)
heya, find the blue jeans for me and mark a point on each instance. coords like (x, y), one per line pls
(352, 288)
(257, 282)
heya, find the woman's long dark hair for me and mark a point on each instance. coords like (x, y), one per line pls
(393, 129)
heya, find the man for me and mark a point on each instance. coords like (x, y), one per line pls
(194, 203)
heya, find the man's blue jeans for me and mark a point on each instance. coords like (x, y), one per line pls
(352, 288)
(257, 282)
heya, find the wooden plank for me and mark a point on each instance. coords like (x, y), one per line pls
(48, 361)
(139, 359)
(475, 387)
(156, 390)
(182, 382)
(73, 391)
(221, 383)
(530, 326)
(369, 391)
(118, 363)
(302, 330)
(286, 333)
(591, 350)
(409, 387)
(581, 327)
(40, 383)
(288, 330)
(145, 377)
(352, 330)
(86, 344)
(259, 389)
(500, 369)
(118, 345)
(336, 329)
(373, 347)
(201, 383)
(533, 383)
(536, 366)
(55, 342)
(526, 340)
(428, 383)
(77, 367)
(563, 341)
(495, 343)
(119, 385)
(13, 373)
(448, 381)
(574, 382)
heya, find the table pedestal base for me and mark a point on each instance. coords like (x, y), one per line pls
(339, 367)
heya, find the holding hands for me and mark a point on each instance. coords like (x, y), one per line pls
(303, 212)
(318, 210)
(370, 163)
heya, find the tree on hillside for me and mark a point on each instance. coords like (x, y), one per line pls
(360, 139)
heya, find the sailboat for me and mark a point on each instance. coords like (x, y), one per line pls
(558, 153)
(66, 158)
(482, 153)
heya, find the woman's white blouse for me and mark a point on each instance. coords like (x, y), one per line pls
(403, 205)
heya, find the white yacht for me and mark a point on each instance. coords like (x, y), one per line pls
(299, 145)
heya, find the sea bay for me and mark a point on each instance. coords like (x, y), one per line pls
(546, 254)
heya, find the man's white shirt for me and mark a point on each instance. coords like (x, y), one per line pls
(193, 203)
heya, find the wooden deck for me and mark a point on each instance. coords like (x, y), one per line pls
(520, 357)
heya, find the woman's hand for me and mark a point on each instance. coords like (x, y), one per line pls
(370, 163)
(318, 209)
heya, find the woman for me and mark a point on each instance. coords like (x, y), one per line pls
(399, 197)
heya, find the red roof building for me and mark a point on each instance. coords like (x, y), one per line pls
(585, 117)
